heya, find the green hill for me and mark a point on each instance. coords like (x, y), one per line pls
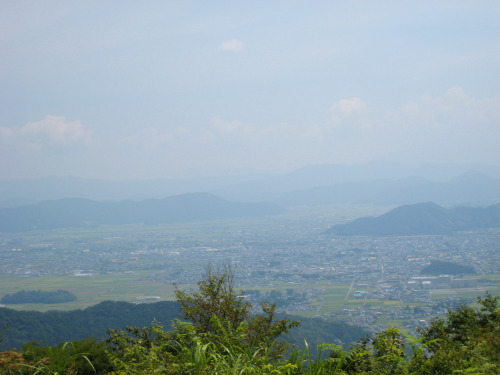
(53, 327)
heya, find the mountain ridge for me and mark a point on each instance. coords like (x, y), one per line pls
(467, 188)
(374, 183)
(426, 218)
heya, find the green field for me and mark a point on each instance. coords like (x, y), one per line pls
(134, 280)
(90, 290)
(334, 299)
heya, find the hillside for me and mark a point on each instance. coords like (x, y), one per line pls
(423, 218)
(53, 327)
(76, 212)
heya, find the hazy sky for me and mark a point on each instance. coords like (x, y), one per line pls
(132, 89)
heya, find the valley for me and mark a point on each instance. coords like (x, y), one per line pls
(289, 259)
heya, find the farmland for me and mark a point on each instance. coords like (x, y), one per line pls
(289, 260)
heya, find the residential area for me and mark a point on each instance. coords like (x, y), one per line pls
(367, 281)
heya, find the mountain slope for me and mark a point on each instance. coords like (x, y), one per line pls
(53, 327)
(422, 218)
(76, 212)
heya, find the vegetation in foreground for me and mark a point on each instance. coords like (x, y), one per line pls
(221, 337)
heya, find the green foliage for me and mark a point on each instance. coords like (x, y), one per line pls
(263, 331)
(467, 341)
(139, 350)
(2, 332)
(81, 357)
(217, 297)
(317, 331)
(12, 362)
(60, 360)
(222, 338)
(53, 327)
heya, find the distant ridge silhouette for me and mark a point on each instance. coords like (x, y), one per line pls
(421, 218)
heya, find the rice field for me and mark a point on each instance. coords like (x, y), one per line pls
(90, 290)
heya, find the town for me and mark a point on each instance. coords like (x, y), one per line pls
(373, 282)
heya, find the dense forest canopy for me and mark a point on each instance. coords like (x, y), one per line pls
(53, 327)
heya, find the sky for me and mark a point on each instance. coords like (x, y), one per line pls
(187, 89)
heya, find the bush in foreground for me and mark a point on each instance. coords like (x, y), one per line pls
(221, 337)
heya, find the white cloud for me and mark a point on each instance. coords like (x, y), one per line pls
(349, 106)
(233, 45)
(56, 129)
(452, 110)
(457, 95)
(453, 126)
(232, 127)
(346, 108)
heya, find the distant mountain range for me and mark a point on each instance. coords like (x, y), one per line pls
(422, 218)
(468, 188)
(77, 212)
(373, 183)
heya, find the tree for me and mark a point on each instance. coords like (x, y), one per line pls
(219, 310)
(468, 340)
(216, 297)
(220, 335)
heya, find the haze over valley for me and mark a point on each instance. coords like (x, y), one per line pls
(342, 157)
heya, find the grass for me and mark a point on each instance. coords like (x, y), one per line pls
(305, 314)
(486, 277)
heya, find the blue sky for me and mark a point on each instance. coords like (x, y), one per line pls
(167, 89)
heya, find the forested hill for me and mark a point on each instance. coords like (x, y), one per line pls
(73, 212)
(53, 327)
(422, 218)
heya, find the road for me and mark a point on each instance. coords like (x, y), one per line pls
(350, 289)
